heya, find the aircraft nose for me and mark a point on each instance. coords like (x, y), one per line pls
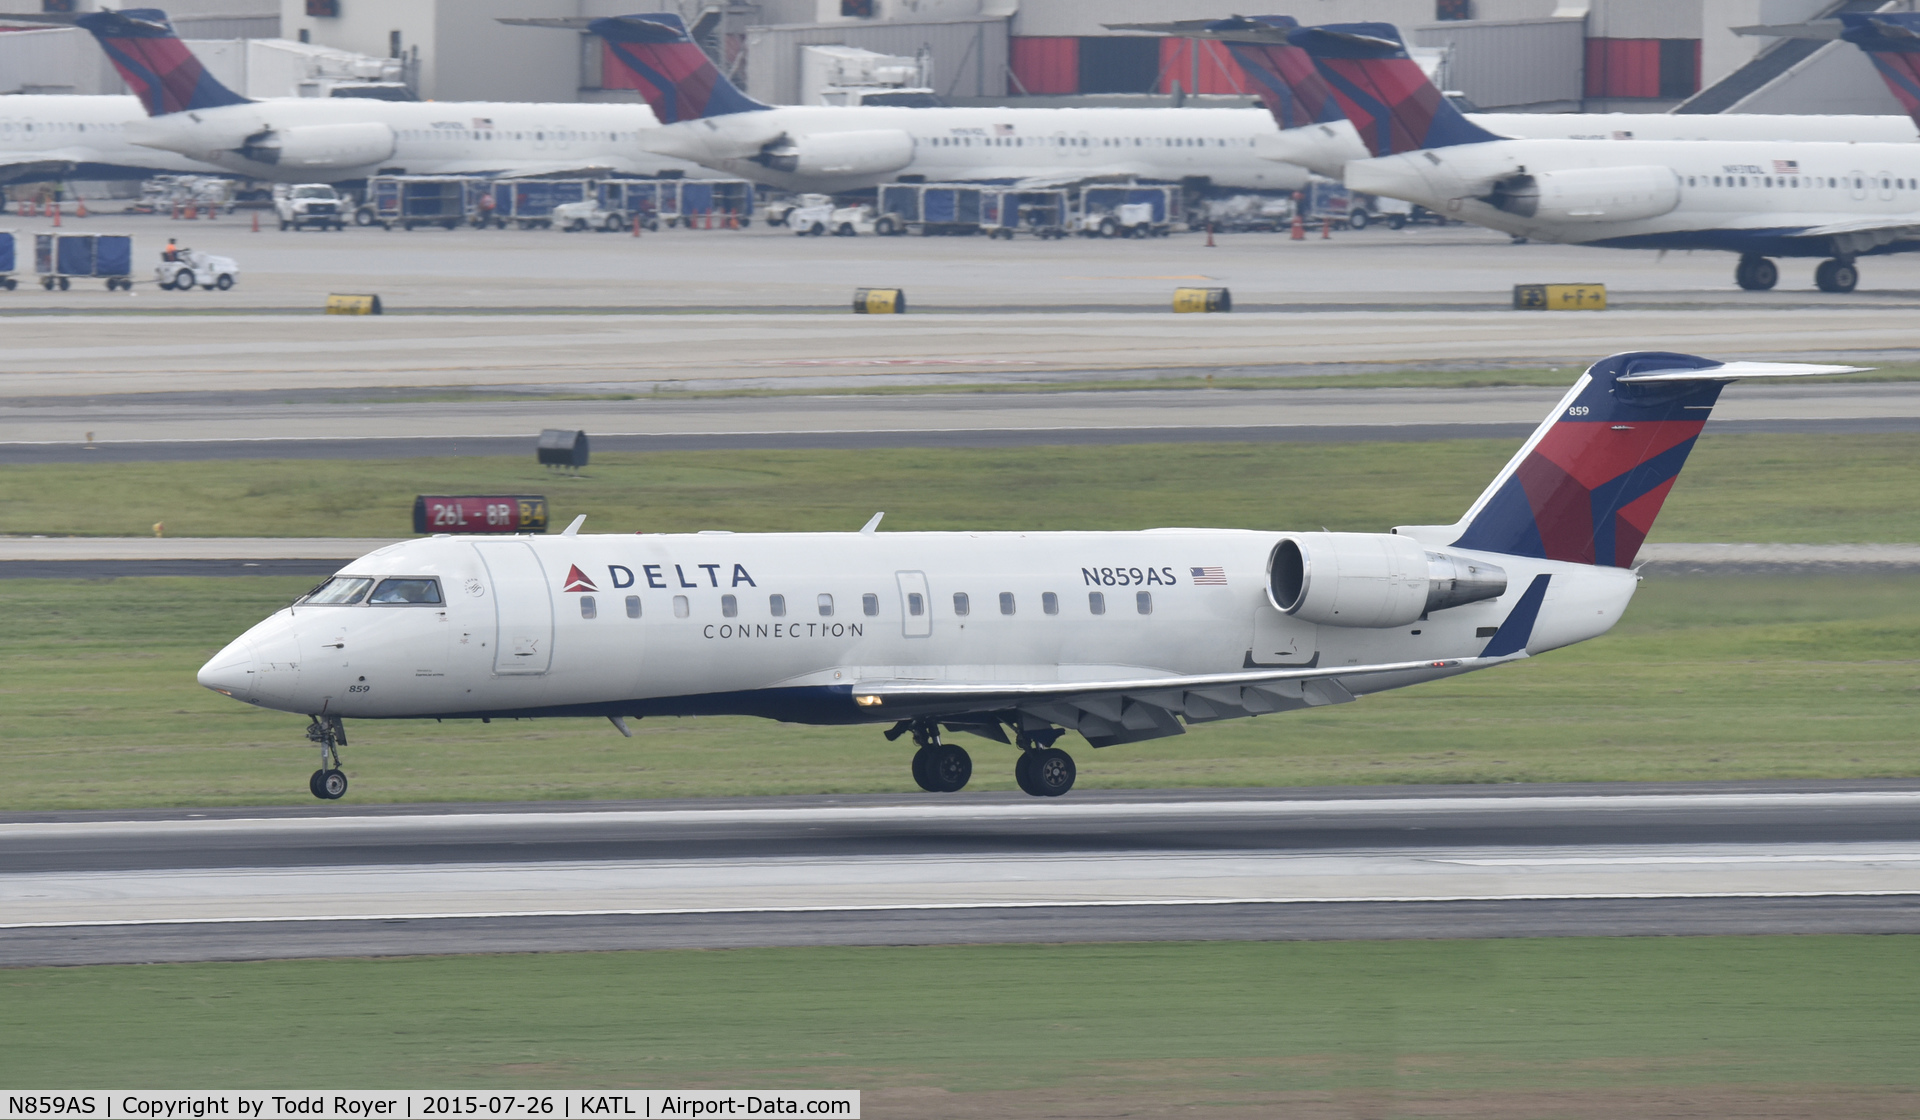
(231, 672)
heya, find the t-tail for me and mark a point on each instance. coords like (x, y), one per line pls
(1588, 484)
(1283, 76)
(157, 66)
(1392, 104)
(669, 69)
(1892, 41)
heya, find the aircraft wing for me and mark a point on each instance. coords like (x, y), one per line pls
(16, 167)
(1859, 235)
(601, 165)
(1130, 710)
(1076, 179)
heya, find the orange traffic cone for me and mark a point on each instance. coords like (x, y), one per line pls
(212, 211)
(1326, 229)
(733, 220)
(193, 211)
(55, 207)
(636, 227)
(256, 221)
(80, 208)
(1210, 235)
(1299, 227)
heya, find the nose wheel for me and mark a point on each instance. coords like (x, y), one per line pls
(329, 783)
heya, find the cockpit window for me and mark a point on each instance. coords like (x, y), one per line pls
(406, 591)
(340, 591)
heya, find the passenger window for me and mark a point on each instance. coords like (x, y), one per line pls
(1006, 602)
(870, 605)
(960, 604)
(826, 606)
(340, 591)
(729, 607)
(916, 606)
(680, 606)
(1143, 602)
(777, 606)
(417, 591)
(633, 606)
(1049, 602)
(1096, 602)
(587, 607)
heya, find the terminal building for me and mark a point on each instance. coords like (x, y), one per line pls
(1510, 55)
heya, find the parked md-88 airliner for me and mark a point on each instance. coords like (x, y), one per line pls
(1017, 637)
(301, 139)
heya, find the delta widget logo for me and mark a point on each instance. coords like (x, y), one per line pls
(577, 580)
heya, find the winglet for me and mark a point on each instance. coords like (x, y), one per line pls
(573, 530)
(873, 526)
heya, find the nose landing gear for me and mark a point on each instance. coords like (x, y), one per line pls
(329, 783)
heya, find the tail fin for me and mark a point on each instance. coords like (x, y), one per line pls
(157, 66)
(1588, 484)
(669, 69)
(1383, 90)
(1283, 75)
(1892, 40)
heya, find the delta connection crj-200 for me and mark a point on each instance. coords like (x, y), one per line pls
(1017, 637)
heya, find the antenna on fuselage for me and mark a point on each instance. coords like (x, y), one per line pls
(873, 526)
(573, 530)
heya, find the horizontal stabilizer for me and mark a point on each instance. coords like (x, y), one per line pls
(1737, 371)
(1239, 29)
(1814, 29)
(561, 23)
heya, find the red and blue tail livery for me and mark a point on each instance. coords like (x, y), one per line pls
(1892, 40)
(654, 54)
(1283, 76)
(1382, 89)
(157, 66)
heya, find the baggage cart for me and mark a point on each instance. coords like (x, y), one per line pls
(1043, 213)
(697, 202)
(9, 259)
(409, 201)
(529, 203)
(930, 209)
(61, 258)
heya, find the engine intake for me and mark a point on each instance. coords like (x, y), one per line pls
(329, 146)
(866, 152)
(1373, 579)
(1595, 194)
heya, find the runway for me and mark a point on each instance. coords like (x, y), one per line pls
(1259, 865)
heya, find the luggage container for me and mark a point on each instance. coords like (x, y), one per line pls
(61, 258)
(1040, 213)
(930, 209)
(409, 201)
(695, 203)
(529, 203)
(9, 259)
(1127, 210)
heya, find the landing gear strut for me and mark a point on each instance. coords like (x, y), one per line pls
(329, 783)
(1756, 274)
(1043, 770)
(939, 767)
(1836, 275)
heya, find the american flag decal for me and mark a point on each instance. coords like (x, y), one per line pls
(1003, 130)
(1209, 577)
(1786, 167)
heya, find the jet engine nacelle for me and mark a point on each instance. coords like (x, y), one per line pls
(1372, 579)
(867, 152)
(321, 146)
(1592, 194)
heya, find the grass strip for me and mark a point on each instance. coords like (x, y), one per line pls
(1705, 678)
(1785, 488)
(1154, 1023)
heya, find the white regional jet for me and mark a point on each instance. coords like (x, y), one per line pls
(301, 139)
(78, 136)
(1017, 637)
(828, 148)
(1317, 135)
(1760, 199)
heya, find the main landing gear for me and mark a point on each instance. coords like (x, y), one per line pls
(1043, 770)
(329, 783)
(1758, 274)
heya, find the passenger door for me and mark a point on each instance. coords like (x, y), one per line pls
(916, 606)
(523, 607)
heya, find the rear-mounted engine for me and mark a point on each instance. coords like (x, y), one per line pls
(1373, 579)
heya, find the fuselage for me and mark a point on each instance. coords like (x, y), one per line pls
(1228, 147)
(1745, 196)
(58, 136)
(352, 138)
(789, 625)
(1326, 149)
